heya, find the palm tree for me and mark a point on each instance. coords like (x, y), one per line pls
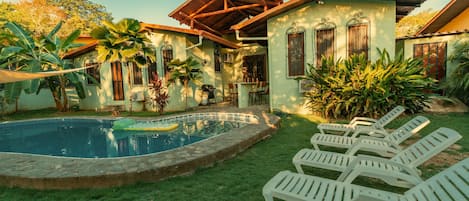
(184, 71)
(39, 55)
(124, 42)
(457, 84)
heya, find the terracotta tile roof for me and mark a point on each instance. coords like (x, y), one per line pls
(145, 26)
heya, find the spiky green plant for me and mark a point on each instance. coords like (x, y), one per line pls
(355, 86)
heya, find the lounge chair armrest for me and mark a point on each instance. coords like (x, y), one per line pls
(406, 173)
(364, 121)
(369, 131)
(359, 144)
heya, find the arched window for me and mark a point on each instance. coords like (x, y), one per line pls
(358, 35)
(167, 55)
(296, 51)
(324, 40)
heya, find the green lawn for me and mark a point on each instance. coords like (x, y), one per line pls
(242, 177)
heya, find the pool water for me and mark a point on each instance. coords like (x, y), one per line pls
(95, 138)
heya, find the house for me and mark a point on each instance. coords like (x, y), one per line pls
(300, 32)
(238, 41)
(435, 41)
(125, 85)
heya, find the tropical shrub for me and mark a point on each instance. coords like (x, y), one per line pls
(457, 84)
(355, 86)
(159, 97)
(185, 71)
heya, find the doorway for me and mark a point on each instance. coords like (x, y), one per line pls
(254, 68)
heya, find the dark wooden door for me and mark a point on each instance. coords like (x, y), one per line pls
(117, 81)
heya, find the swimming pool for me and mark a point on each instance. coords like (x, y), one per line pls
(95, 138)
(52, 172)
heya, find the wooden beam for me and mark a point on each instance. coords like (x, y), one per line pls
(227, 10)
(202, 8)
(194, 21)
(225, 4)
(241, 11)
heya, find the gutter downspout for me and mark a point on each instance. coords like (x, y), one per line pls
(201, 38)
(248, 38)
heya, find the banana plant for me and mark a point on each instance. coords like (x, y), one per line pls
(28, 54)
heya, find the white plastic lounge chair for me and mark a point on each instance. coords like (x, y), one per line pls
(363, 124)
(451, 184)
(400, 170)
(387, 146)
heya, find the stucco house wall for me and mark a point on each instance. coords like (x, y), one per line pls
(407, 46)
(285, 95)
(101, 97)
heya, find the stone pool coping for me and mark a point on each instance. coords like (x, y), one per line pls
(48, 172)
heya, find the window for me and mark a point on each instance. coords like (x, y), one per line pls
(295, 51)
(433, 56)
(117, 81)
(152, 71)
(137, 74)
(93, 71)
(167, 55)
(325, 39)
(357, 39)
(217, 57)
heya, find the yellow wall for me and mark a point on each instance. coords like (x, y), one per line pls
(459, 23)
(284, 94)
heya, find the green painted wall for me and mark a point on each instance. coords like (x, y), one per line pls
(284, 94)
(101, 97)
(450, 40)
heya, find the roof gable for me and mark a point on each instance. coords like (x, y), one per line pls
(403, 7)
(446, 15)
(148, 27)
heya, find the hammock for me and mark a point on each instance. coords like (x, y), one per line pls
(7, 76)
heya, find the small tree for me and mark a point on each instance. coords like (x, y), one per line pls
(457, 84)
(29, 54)
(185, 71)
(158, 93)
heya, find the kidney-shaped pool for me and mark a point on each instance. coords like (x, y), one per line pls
(83, 152)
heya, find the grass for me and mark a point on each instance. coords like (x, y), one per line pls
(240, 178)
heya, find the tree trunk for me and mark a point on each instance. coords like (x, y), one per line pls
(186, 86)
(64, 95)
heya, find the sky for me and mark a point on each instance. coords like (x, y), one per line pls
(149, 11)
(156, 11)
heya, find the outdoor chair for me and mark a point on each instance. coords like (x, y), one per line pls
(451, 184)
(387, 146)
(363, 124)
(233, 90)
(400, 170)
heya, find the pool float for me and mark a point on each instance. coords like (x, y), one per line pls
(132, 125)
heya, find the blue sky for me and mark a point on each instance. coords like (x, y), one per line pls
(149, 11)
(156, 11)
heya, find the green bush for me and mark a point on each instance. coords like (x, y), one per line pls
(357, 87)
(457, 84)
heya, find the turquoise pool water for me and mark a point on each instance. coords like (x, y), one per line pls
(95, 138)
